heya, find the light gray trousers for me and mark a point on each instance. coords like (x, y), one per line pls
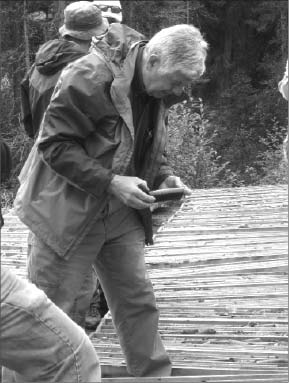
(115, 246)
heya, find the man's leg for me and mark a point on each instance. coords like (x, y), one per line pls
(122, 272)
(80, 307)
(38, 341)
(68, 283)
(87, 294)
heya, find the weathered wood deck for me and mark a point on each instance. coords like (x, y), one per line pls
(219, 269)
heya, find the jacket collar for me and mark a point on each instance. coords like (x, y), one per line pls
(120, 56)
(123, 73)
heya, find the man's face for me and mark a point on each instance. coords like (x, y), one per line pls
(160, 81)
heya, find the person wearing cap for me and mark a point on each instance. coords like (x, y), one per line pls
(38, 341)
(82, 21)
(101, 148)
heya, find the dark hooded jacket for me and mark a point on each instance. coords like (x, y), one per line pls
(39, 82)
(87, 136)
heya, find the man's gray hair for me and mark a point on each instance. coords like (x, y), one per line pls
(180, 46)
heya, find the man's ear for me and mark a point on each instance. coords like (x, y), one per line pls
(154, 60)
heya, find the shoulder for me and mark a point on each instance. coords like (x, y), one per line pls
(89, 68)
(83, 81)
(124, 32)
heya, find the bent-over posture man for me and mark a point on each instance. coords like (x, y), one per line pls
(38, 341)
(101, 142)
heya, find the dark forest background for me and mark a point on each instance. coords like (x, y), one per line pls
(230, 133)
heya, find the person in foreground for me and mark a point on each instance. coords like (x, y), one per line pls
(38, 341)
(101, 147)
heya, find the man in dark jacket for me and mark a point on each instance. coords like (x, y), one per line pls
(82, 21)
(101, 146)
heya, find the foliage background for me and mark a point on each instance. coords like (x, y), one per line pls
(230, 133)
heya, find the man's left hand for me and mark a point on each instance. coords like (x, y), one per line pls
(175, 182)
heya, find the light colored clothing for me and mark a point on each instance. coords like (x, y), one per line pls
(38, 341)
(115, 245)
(85, 293)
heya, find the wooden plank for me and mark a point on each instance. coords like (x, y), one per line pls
(120, 371)
(220, 320)
(200, 379)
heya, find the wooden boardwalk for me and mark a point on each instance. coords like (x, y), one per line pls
(219, 269)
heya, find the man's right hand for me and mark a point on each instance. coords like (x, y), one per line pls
(129, 191)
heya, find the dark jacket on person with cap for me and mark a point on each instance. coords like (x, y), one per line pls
(39, 82)
(82, 21)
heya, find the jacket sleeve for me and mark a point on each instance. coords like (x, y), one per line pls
(77, 107)
(26, 114)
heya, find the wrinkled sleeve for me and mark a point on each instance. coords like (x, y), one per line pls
(78, 105)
